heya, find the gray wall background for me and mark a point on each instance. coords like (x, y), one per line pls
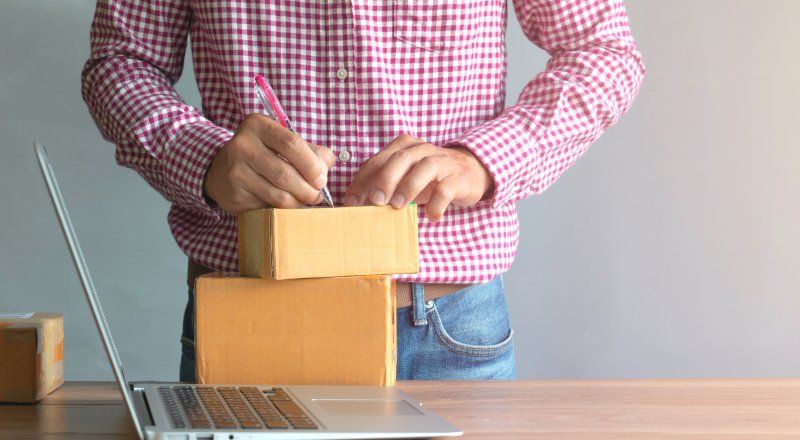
(671, 249)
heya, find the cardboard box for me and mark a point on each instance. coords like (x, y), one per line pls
(327, 331)
(328, 242)
(31, 356)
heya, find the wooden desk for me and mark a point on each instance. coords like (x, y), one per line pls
(624, 409)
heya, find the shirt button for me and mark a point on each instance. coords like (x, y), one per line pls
(341, 73)
(344, 155)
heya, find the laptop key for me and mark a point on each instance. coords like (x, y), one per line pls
(247, 390)
(302, 422)
(289, 408)
(305, 426)
(276, 424)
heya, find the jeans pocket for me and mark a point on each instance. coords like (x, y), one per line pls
(484, 333)
(487, 350)
(436, 25)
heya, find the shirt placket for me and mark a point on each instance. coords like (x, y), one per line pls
(342, 77)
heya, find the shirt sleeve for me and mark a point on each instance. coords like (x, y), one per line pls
(137, 53)
(591, 79)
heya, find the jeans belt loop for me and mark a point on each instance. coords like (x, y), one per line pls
(418, 304)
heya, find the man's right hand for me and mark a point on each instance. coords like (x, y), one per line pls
(266, 165)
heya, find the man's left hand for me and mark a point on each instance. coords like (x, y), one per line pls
(410, 169)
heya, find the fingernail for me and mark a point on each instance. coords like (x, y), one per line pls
(351, 201)
(398, 200)
(378, 197)
(319, 182)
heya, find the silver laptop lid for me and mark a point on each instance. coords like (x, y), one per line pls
(86, 279)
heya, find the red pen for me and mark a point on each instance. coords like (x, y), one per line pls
(275, 111)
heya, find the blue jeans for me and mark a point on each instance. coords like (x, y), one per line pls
(464, 335)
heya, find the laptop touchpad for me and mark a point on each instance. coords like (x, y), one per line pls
(367, 407)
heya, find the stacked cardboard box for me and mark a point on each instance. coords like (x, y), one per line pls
(31, 356)
(314, 304)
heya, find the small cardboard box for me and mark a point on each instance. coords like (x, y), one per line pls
(287, 244)
(31, 356)
(326, 331)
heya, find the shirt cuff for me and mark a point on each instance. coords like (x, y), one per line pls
(505, 148)
(187, 160)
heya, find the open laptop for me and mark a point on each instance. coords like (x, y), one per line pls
(186, 411)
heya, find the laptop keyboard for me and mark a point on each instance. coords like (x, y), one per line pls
(224, 407)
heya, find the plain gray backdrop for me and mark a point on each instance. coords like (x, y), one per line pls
(671, 249)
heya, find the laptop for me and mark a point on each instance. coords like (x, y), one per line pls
(187, 411)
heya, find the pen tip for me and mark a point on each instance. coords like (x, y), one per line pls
(326, 196)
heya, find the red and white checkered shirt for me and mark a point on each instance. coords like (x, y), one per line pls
(353, 75)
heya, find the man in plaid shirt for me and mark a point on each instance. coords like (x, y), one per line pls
(395, 101)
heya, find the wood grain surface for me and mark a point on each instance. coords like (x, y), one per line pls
(586, 409)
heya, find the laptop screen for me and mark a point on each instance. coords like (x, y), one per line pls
(86, 278)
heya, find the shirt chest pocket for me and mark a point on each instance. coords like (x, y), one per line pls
(436, 25)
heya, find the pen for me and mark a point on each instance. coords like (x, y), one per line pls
(275, 111)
